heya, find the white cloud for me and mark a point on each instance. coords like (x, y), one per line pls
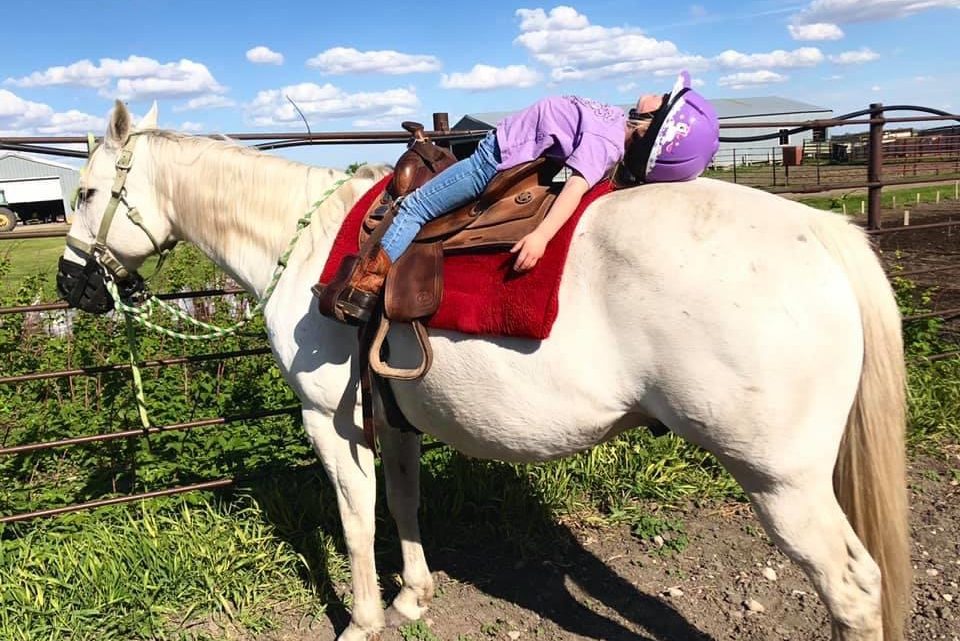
(485, 77)
(750, 79)
(855, 57)
(14, 109)
(261, 55)
(659, 67)
(389, 120)
(342, 60)
(802, 57)
(565, 41)
(137, 78)
(72, 122)
(190, 126)
(875, 88)
(26, 117)
(210, 101)
(815, 31)
(326, 102)
(848, 11)
(559, 18)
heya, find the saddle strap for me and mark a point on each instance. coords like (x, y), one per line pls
(365, 338)
(372, 386)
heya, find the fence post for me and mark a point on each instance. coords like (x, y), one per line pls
(735, 165)
(818, 163)
(441, 122)
(773, 166)
(875, 165)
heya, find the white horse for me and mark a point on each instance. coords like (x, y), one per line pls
(760, 329)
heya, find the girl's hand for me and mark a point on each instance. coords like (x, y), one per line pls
(530, 248)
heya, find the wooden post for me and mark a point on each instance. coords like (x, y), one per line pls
(918, 197)
(875, 165)
(906, 217)
(734, 165)
(818, 163)
(441, 123)
(863, 207)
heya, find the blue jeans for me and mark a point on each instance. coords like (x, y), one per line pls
(457, 185)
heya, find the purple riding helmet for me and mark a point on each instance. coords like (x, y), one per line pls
(680, 142)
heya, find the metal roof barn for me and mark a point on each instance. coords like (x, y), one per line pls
(37, 188)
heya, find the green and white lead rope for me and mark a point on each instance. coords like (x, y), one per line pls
(140, 314)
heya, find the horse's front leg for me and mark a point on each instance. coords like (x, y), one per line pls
(349, 463)
(401, 468)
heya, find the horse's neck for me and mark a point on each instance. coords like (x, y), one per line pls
(242, 210)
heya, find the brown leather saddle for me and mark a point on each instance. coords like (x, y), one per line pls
(511, 206)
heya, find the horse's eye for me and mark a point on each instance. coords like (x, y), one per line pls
(81, 196)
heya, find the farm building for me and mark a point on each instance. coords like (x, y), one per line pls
(729, 110)
(35, 189)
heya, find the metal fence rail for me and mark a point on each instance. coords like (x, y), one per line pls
(141, 432)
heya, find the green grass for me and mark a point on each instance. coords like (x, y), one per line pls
(934, 402)
(906, 197)
(146, 572)
(30, 257)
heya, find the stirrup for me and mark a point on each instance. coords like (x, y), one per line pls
(399, 373)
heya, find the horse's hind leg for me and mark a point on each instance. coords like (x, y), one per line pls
(802, 516)
(401, 467)
(349, 464)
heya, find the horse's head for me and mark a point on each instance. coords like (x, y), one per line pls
(118, 222)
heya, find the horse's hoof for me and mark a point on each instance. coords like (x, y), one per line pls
(395, 618)
(407, 607)
(353, 633)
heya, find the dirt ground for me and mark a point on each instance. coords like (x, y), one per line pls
(728, 583)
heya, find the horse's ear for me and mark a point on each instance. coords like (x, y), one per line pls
(150, 120)
(118, 129)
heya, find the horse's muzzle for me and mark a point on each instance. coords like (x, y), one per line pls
(85, 286)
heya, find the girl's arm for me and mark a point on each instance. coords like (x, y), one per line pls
(530, 248)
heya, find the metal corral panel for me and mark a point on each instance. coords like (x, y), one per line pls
(16, 167)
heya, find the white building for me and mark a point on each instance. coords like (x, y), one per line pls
(36, 189)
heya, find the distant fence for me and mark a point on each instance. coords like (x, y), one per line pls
(876, 166)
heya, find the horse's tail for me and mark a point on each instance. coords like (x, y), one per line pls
(870, 474)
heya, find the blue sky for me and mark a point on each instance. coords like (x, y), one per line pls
(228, 67)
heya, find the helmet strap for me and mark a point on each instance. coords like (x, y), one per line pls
(637, 155)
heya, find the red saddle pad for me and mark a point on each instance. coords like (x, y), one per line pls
(482, 294)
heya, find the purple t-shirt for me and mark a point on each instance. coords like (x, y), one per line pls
(584, 134)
